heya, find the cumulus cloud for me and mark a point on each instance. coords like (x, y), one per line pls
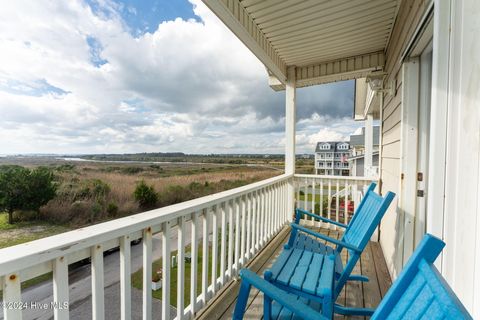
(74, 78)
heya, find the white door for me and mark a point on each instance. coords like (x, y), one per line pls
(416, 100)
(425, 89)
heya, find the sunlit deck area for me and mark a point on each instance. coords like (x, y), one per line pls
(355, 294)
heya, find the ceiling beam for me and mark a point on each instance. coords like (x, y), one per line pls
(237, 19)
(337, 70)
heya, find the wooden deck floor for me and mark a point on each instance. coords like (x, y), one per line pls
(372, 264)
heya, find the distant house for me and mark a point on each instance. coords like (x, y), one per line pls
(357, 158)
(331, 158)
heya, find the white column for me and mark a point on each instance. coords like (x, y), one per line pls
(368, 145)
(290, 93)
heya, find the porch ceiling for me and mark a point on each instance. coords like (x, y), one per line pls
(326, 40)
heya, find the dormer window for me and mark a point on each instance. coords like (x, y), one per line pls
(325, 146)
(343, 146)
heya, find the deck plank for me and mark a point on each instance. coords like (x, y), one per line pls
(371, 289)
(384, 280)
(372, 264)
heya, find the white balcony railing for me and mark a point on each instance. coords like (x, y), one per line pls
(334, 197)
(232, 227)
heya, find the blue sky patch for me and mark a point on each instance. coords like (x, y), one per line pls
(145, 15)
(35, 88)
(95, 52)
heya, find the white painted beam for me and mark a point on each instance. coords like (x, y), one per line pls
(337, 70)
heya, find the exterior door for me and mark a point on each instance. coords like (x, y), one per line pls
(425, 89)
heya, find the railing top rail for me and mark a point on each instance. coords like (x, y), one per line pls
(16, 258)
(316, 176)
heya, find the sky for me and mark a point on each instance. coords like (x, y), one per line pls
(103, 76)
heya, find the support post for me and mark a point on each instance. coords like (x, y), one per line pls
(368, 146)
(290, 120)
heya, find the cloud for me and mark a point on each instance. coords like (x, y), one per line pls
(74, 78)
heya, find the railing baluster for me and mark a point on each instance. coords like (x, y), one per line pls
(125, 279)
(297, 185)
(194, 265)
(147, 274)
(313, 202)
(276, 215)
(165, 270)
(11, 294)
(60, 288)
(249, 226)
(180, 267)
(230, 238)
(329, 201)
(268, 222)
(205, 258)
(279, 207)
(282, 204)
(263, 206)
(256, 212)
(215, 247)
(288, 214)
(272, 211)
(337, 203)
(347, 202)
(321, 201)
(237, 236)
(243, 230)
(98, 300)
(305, 195)
(223, 248)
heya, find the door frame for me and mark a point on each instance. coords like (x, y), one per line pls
(409, 150)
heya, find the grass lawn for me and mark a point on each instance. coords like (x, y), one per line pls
(157, 265)
(20, 232)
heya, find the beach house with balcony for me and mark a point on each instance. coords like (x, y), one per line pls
(331, 158)
(417, 66)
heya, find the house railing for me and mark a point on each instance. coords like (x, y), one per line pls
(334, 197)
(227, 230)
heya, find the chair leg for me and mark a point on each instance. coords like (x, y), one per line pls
(242, 300)
(267, 307)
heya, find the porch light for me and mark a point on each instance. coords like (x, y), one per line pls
(375, 82)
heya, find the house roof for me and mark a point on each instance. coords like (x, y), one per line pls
(333, 146)
(358, 140)
(325, 40)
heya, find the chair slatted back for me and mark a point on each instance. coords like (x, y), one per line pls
(366, 219)
(420, 292)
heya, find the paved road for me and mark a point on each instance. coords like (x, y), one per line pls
(80, 286)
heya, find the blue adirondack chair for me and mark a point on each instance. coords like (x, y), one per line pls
(420, 292)
(355, 238)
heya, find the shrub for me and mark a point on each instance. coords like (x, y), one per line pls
(145, 195)
(94, 188)
(25, 189)
(112, 209)
(65, 167)
(132, 170)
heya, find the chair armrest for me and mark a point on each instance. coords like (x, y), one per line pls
(326, 238)
(252, 279)
(316, 216)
